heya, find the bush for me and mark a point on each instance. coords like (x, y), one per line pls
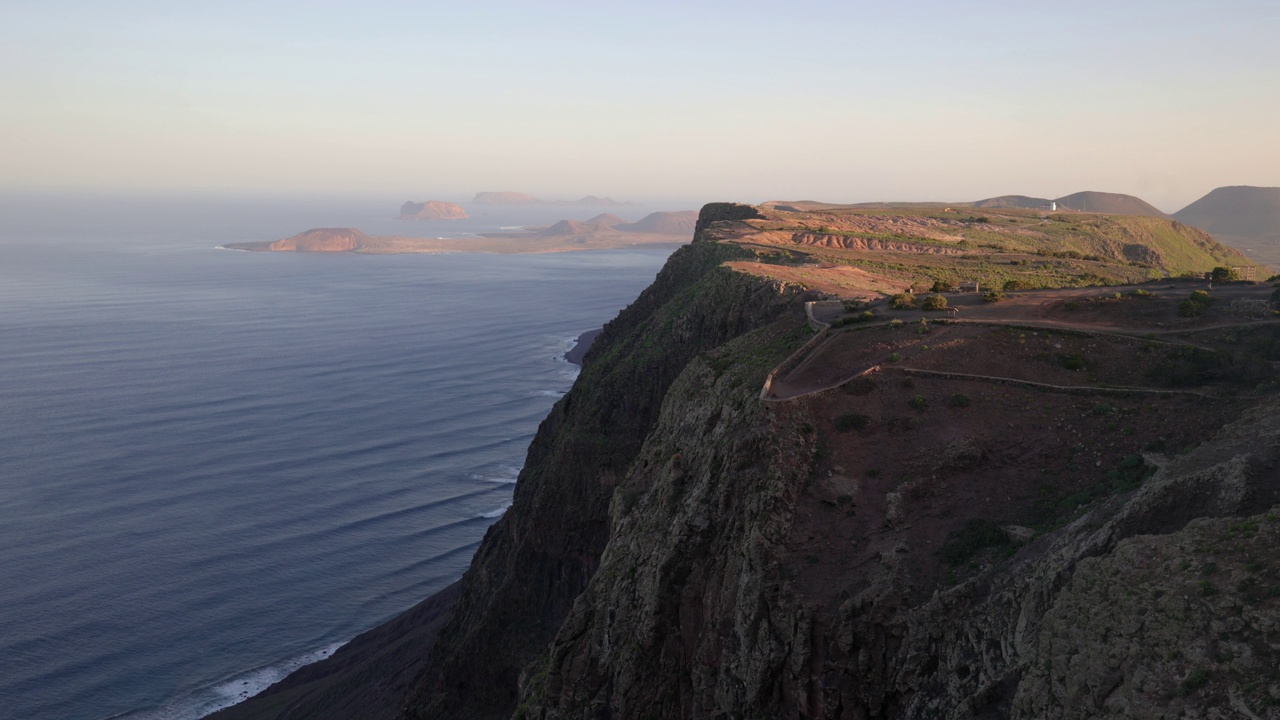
(864, 316)
(1074, 362)
(1200, 296)
(918, 403)
(959, 400)
(976, 536)
(1223, 274)
(1189, 309)
(894, 357)
(1140, 293)
(941, 286)
(852, 305)
(852, 421)
(992, 296)
(903, 301)
(933, 302)
(1014, 285)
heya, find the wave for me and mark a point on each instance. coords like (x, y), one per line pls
(496, 513)
(207, 700)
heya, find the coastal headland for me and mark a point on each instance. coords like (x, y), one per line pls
(603, 232)
(895, 462)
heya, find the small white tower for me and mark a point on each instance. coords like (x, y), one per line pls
(1053, 206)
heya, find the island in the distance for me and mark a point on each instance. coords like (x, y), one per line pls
(432, 210)
(602, 232)
(519, 198)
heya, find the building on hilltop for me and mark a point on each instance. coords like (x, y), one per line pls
(969, 286)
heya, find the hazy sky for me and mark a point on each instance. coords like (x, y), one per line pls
(841, 101)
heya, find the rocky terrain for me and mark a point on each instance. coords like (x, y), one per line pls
(432, 210)
(1059, 510)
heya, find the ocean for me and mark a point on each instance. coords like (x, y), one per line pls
(217, 465)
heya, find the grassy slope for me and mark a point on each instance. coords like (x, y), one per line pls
(1039, 250)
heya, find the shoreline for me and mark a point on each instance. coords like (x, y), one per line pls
(581, 346)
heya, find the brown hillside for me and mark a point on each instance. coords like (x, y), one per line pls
(605, 221)
(566, 228)
(1243, 211)
(322, 240)
(432, 210)
(1108, 204)
(664, 223)
(1014, 201)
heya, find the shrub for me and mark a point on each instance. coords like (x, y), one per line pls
(864, 316)
(976, 536)
(1074, 362)
(1190, 309)
(894, 357)
(1014, 285)
(1223, 274)
(852, 305)
(1200, 296)
(903, 301)
(852, 421)
(959, 400)
(1195, 680)
(992, 296)
(933, 302)
(1140, 293)
(941, 286)
(918, 403)
(860, 386)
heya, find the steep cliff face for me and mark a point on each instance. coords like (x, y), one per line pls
(727, 588)
(536, 560)
(906, 544)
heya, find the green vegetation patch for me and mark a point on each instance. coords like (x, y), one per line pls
(976, 535)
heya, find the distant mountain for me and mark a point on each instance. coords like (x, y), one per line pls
(432, 210)
(1014, 201)
(1088, 201)
(517, 198)
(504, 198)
(605, 221)
(597, 201)
(1247, 218)
(664, 223)
(1241, 211)
(1108, 204)
(322, 240)
(567, 228)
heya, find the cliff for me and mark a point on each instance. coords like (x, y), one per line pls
(432, 210)
(955, 520)
(322, 240)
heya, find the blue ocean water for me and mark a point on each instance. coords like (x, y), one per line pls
(217, 465)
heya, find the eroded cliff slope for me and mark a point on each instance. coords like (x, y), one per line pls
(983, 518)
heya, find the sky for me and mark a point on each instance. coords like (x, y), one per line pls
(749, 101)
